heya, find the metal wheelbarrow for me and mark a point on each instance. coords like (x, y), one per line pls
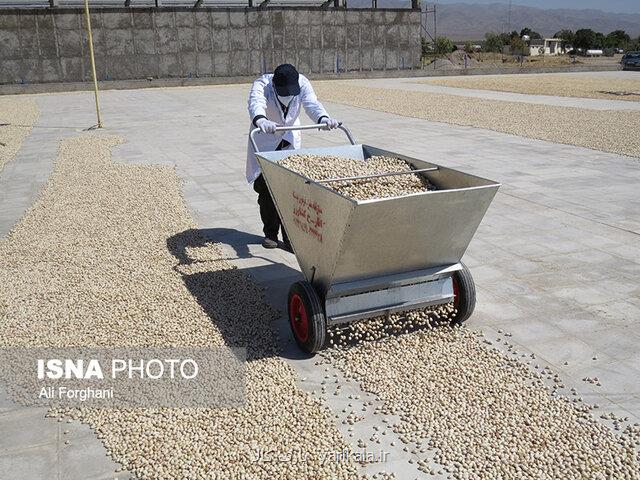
(365, 258)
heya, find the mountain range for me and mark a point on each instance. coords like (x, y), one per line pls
(470, 22)
(463, 21)
(620, 6)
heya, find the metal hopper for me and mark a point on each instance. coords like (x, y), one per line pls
(366, 258)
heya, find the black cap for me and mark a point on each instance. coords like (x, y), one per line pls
(285, 80)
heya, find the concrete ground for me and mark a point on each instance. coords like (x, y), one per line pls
(556, 260)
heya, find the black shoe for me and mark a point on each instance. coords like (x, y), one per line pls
(269, 243)
(287, 247)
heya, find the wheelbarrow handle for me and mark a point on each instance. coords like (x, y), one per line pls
(316, 126)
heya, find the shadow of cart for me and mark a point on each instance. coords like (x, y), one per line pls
(245, 304)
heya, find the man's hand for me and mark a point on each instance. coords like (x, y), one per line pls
(330, 122)
(266, 126)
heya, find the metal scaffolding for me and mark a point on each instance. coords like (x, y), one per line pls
(425, 27)
(424, 24)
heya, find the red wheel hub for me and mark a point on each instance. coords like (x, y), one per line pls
(456, 292)
(298, 318)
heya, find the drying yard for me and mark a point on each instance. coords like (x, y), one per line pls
(598, 129)
(146, 234)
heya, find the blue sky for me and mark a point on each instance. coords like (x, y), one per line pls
(623, 6)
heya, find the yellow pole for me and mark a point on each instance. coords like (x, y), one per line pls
(93, 61)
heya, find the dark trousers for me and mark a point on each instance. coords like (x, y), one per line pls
(268, 212)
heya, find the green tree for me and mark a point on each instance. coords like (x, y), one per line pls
(427, 47)
(493, 42)
(506, 37)
(567, 37)
(585, 39)
(617, 39)
(518, 46)
(444, 45)
(532, 33)
(469, 48)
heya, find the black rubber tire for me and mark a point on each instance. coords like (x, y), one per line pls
(465, 301)
(316, 319)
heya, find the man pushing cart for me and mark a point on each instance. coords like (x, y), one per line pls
(361, 258)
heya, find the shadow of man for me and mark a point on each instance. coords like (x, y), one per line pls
(231, 297)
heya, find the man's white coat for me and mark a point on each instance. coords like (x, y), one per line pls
(263, 101)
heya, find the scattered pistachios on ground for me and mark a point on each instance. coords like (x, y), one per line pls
(318, 167)
(581, 86)
(17, 116)
(486, 413)
(109, 256)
